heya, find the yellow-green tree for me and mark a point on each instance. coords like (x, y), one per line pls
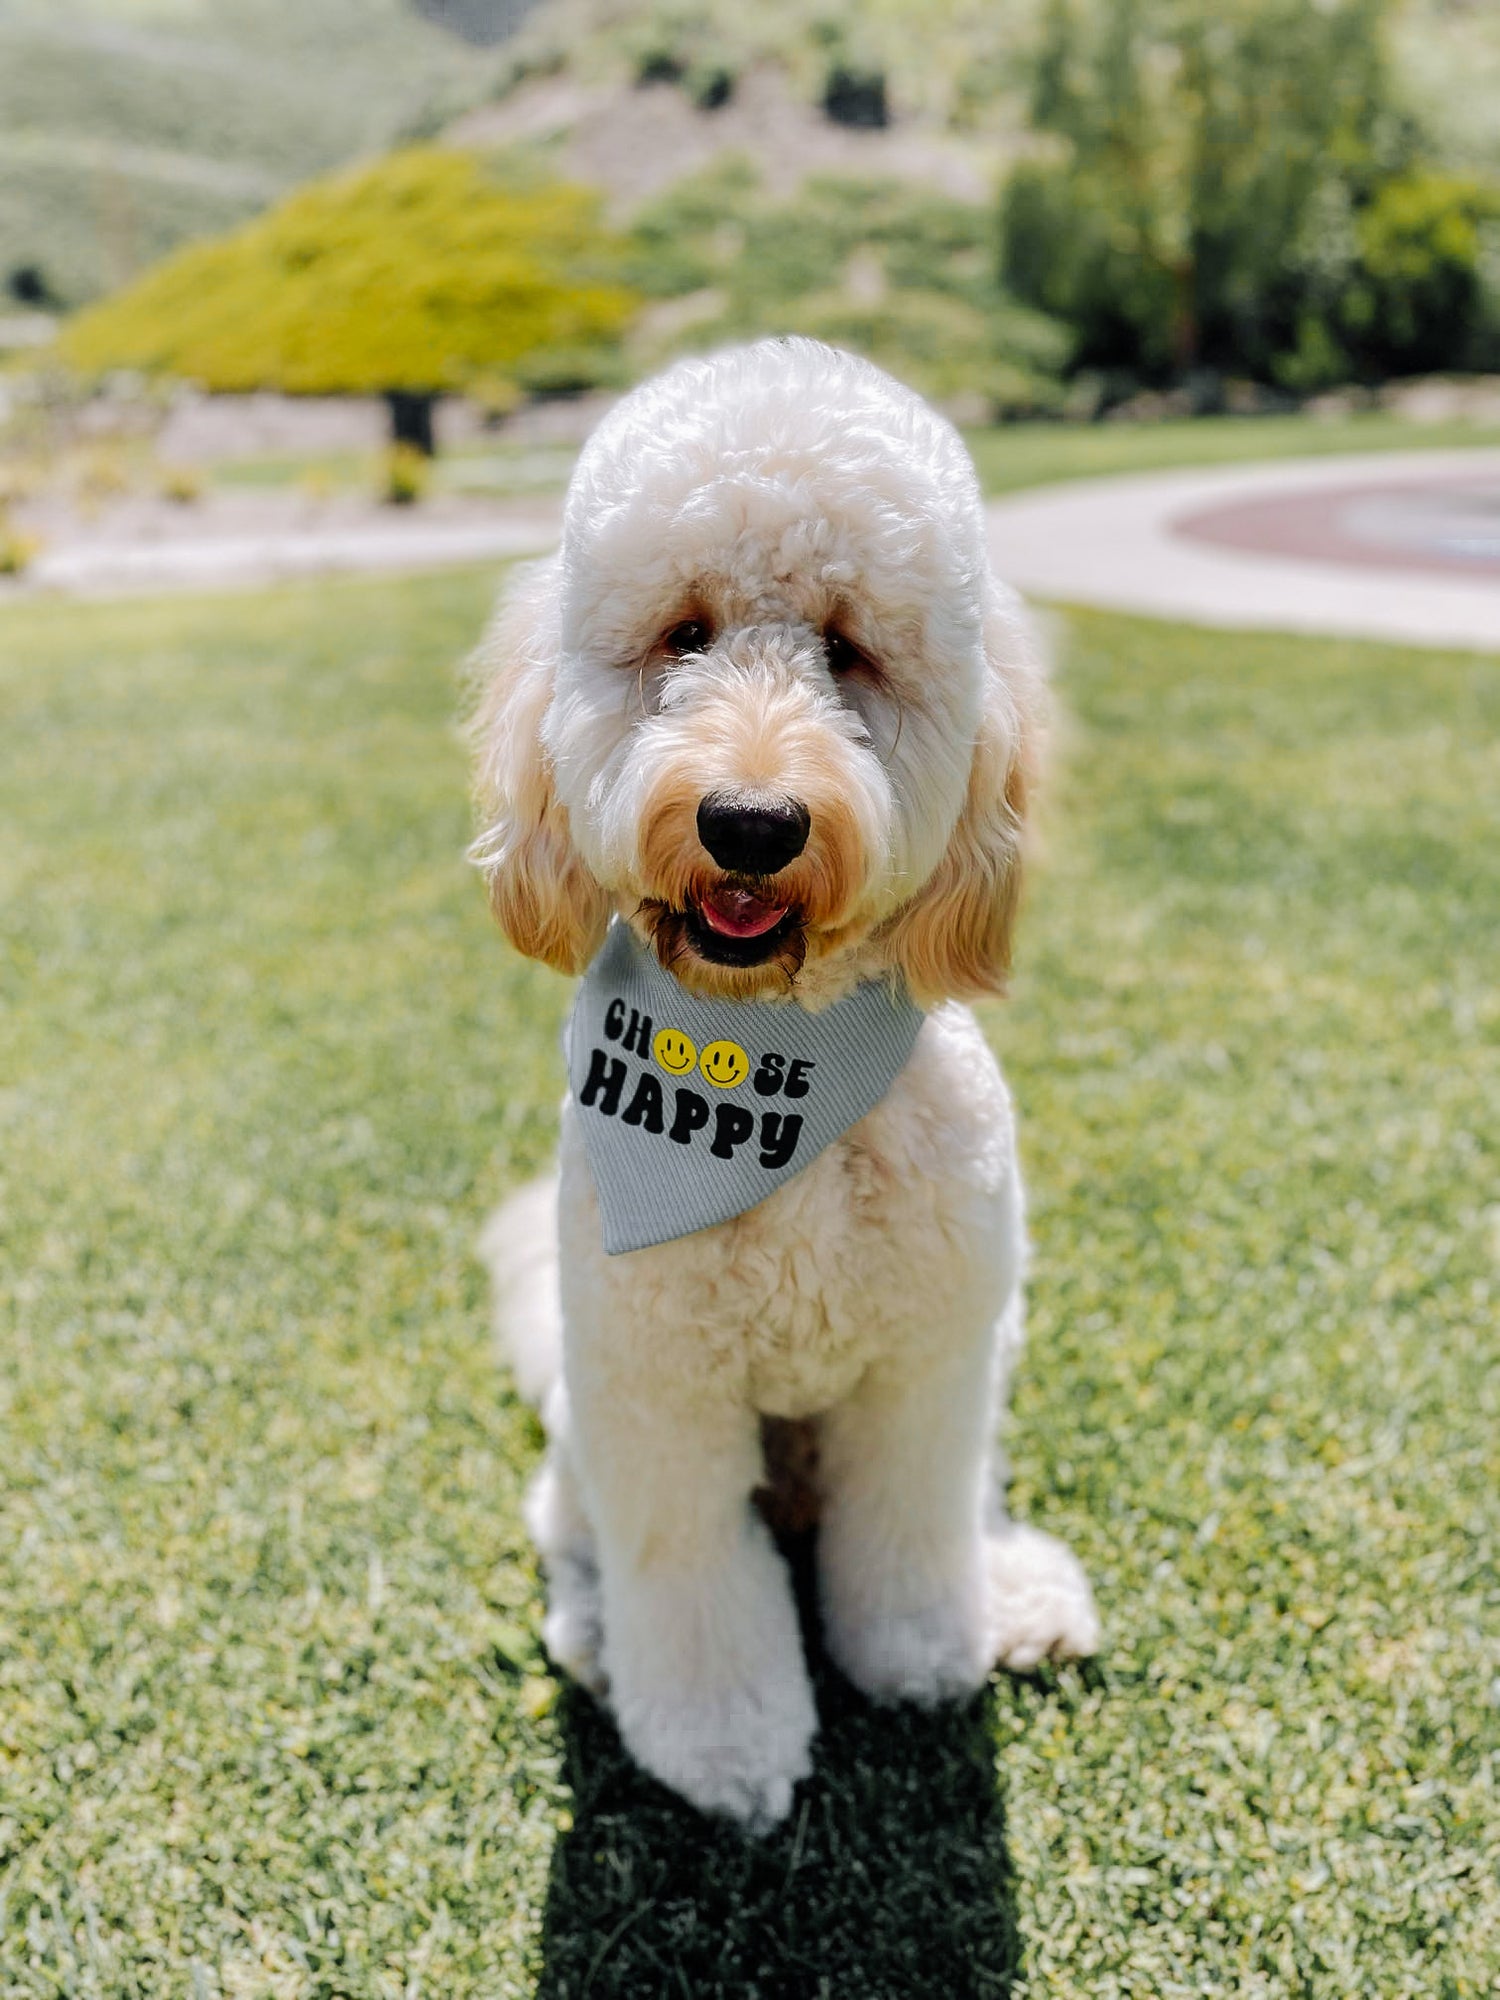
(427, 272)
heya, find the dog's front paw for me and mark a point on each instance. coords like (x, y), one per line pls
(573, 1629)
(739, 1752)
(574, 1626)
(1040, 1606)
(925, 1653)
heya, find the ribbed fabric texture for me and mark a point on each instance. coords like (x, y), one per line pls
(693, 1110)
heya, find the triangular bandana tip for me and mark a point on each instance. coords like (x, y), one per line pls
(693, 1110)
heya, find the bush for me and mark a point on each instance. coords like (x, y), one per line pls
(711, 85)
(406, 475)
(943, 347)
(571, 371)
(903, 274)
(682, 240)
(856, 96)
(1422, 297)
(1069, 253)
(17, 551)
(419, 274)
(685, 50)
(182, 484)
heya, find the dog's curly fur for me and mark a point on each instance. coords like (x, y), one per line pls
(773, 582)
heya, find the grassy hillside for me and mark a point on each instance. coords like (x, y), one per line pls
(126, 125)
(955, 74)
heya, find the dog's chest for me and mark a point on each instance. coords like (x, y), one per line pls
(895, 1233)
(817, 1327)
(903, 1233)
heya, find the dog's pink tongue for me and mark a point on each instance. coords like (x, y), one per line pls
(740, 913)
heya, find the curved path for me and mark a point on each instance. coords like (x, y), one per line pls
(1397, 545)
(1402, 546)
(391, 545)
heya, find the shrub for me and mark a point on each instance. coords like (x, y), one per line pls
(856, 96)
(686, 50)
(1421, 297)
(417, 275)
(182, 484)
(406, 475)
(571, 371)
(943, 347)
(681, 240)
(903, 274)
(711, 85)
(658, 65)
(1069, 253)
(17, 551)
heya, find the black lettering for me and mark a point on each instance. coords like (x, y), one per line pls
(645, 1108)
(614, 1020)
(768, 1077)
(797, 1084)
(638, 1034)
(605, 1081)
(779, 1134)
(733, 1125)
(692, 1116)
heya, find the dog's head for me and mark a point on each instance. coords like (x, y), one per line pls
(767, 702)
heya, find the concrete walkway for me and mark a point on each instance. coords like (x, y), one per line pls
(399, 545)
(1162, 544)
(1131, 544)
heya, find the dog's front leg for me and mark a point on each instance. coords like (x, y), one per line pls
(925, 1583)
(904, 1465)
(702, 1650)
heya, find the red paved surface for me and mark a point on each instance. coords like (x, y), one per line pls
(1450, 528)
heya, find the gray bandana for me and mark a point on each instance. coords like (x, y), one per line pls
(694, 1110)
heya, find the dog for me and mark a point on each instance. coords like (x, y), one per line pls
(768, 722)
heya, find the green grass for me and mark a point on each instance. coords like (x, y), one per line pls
(1009, 458)
(274, 1720)
(1018, 455)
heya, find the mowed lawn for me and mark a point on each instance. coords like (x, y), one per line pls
(274, 1718)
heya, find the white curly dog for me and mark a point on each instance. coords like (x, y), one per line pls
(773, 595)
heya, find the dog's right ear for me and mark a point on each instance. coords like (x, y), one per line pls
(545, 899)
(952, 940)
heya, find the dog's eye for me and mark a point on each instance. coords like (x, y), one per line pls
(843, 656)
(691, 636)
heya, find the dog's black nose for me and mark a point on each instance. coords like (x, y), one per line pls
(753, 838)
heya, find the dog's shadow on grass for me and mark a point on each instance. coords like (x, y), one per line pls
(890, 1878)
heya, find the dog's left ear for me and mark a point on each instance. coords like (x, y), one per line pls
(545, 899)
(952, 941)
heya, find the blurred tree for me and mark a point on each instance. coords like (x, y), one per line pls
(1426, 292)
(1232, 185)
(427, 272)
(27, 285)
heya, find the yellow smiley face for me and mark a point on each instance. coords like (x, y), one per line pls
(724, 1063)
(674, 1051)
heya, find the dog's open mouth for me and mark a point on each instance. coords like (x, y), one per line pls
(731, 911)
(738, 923)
